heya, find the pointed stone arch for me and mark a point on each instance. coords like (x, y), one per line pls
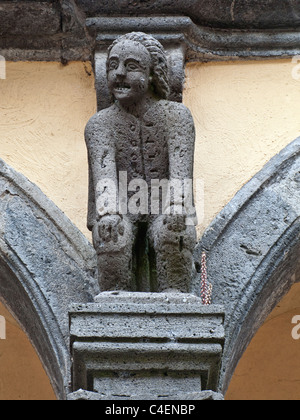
(253, 249)
(45, 264)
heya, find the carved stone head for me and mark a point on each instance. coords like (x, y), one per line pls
(137, 63)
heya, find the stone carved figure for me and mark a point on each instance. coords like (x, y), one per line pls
(133, 145)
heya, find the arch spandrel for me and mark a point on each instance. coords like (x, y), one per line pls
(45, 264)
(253, 251)
(253, 260)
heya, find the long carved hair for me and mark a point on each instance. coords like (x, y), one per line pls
(159, 70)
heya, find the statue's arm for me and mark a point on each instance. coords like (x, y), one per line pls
(181, 148)
(102, 162)
(181, 143)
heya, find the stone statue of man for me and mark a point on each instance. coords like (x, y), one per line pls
(136, 146)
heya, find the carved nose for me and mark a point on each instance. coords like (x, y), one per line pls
(121, 71)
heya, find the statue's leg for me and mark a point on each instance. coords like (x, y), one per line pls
(114, 271)
(174, 256)
(115, 261)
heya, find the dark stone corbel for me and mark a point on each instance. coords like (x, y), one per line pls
(166, 29)
(203, 43)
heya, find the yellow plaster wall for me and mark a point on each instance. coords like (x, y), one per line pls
(22, 376)
(245, 113)
(270, 366)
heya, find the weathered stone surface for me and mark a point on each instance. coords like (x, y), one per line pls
(82, 395)
(253, 251)
(201, 42)
(43, 30)
(216, 30)
(145, 346)
(198, 323)
(44, 18)
(45, 264)
(213, 13)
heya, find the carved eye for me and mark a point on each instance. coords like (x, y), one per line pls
(132, 66)
(113, 65)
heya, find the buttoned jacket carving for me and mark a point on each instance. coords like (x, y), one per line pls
(158, 146)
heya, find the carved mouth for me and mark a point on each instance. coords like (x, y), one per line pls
(122, 87)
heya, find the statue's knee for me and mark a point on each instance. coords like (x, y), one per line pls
(119, 242)
(163, 236)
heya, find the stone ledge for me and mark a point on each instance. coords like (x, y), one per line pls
(137, 343)
(157, 316)
(82, 395)
(202, 42)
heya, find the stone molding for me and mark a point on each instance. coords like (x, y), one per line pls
(57, 30)
(82, 395)
(248, 14)
(201, 43)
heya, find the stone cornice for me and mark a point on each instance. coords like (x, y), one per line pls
(218, 14)
(211, 30)
(202, 43)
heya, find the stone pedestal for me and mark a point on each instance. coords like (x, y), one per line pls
(145, 346)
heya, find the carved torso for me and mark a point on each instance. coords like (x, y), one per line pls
(157, 146)
(142, 145)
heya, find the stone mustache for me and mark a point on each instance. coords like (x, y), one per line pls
(147, 138)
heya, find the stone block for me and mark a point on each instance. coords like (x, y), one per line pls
(146, 345)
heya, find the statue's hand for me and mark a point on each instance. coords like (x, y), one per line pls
(175, 222)
(110, 227)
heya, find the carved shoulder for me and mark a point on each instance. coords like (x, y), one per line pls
(100, 126)
(180, 122)
(180, 114)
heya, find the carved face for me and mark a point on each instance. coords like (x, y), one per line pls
(129, 66)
